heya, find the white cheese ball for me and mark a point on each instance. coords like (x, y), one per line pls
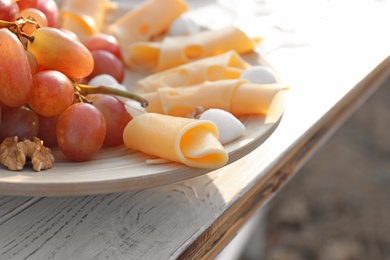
(229, 127)
(106, 80)
(260, 75)
(183, 25)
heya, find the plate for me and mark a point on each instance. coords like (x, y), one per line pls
(119, 169)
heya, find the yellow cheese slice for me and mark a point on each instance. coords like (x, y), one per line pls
(192, 142)
(175, 51)
(148, 20)
(84, 18)
(228, 65)
(238, 96)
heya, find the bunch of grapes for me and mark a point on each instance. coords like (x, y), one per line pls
(43, 71)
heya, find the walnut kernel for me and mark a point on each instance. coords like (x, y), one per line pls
(13, 154)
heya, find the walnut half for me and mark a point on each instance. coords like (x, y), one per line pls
(13, 154)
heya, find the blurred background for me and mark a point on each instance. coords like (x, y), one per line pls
(337, 207)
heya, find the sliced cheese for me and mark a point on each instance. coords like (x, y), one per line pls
(148, 20)
(192, 142)
(84, 18)
(228, 65)
(175, 51)
(238, 96)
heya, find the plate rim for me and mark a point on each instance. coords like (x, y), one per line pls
(11, 185)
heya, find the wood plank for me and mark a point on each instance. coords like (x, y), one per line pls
(127, 225)
(10, 206)
(199, 216)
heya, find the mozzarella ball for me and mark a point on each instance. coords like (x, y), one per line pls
(260, 75)
(183, 25)
(229, 127)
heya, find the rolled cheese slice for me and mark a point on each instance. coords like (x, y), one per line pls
(146, 21)
(192, 142)
(175, 51)
(238, 96)
(84, 18)
(228, 65)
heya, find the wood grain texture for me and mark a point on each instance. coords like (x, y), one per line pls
(10, 206)
(196, 218)
(97, 226)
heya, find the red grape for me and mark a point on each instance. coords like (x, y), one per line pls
(47, 130)
(107, 63)
(15, 72)
(71, 34)
(80, 131)
(9, 10)
(4, 107)
(51, 94)
(21, 122)
(37, 16)
(34, 66)
(24, 4)
(115, 115)
(106, 42)
(51, 11)
(55, 50)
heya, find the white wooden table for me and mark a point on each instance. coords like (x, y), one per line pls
(342, 58)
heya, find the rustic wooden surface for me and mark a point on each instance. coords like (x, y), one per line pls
(341, 66)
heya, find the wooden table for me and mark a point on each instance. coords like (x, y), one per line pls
(341, 61)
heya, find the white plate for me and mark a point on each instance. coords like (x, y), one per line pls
(119, 169)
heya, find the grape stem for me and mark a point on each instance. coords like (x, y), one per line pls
(16, 27)
(81, 90)
(6, 23)
(85, 90)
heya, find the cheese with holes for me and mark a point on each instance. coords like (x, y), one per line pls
(147, 21)
(228, 65)
(238, 96)
(175, 51)
(84, 18)
(192, 142)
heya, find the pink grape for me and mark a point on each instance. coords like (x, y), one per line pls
(51, 11)
(71, 34)
(21, 122)
(52, 93)
(55, 50)
(33, 14)
(15, 72)
(9, 10)
(107, 63)
(106, 42)
(80, 131)
(24, 4)
(115, 115)
(34, 66)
